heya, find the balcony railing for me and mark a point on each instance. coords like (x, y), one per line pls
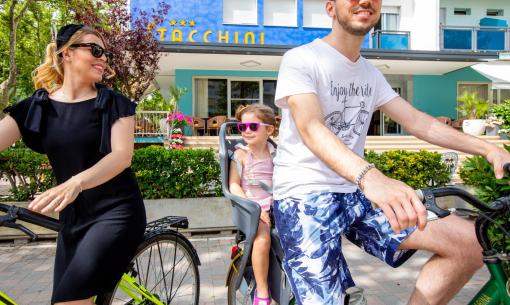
(151, 124)
(393, 40)
(487, 38)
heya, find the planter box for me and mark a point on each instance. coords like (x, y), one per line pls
(203, 214)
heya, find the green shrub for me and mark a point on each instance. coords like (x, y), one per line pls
(176, 173)
(27, 171)
(478, 172)
(416, 169)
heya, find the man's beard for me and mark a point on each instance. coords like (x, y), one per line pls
(359, 31)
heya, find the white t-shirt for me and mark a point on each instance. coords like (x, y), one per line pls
(348, 93)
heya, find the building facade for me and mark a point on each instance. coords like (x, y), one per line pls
(227, 52)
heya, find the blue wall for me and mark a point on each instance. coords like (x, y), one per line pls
(208, 16)
(184, 79)
(437, 94)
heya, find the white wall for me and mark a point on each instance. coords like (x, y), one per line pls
(421, 18)
(478, 11)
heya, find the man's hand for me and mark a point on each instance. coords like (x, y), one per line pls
(498, 157)
(397, 200)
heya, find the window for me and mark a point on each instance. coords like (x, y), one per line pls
(442, 16)
(269, 91)
(240, 12)
(214, 97)
(280, 12)
(462, 11)
(390, 18)
(495, 12)
(210, 97)
(243, 93)
(314, 14)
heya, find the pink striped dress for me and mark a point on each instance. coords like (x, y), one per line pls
(257, 170)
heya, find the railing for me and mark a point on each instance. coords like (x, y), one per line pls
(151, 124)
(486, 38)
(393, 40)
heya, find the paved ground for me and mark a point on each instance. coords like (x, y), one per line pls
(26, 273)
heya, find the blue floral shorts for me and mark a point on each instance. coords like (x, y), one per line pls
(310, 229)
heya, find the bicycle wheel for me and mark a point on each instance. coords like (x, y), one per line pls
(243, 295)
(164, 265)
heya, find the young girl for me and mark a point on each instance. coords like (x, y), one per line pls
(255, 163)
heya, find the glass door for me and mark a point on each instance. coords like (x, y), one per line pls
(388, 126)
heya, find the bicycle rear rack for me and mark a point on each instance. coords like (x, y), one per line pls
(166, 223)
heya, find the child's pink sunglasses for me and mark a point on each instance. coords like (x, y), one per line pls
(253, 126)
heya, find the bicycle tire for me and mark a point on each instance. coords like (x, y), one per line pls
(179, 249)
(243, 295)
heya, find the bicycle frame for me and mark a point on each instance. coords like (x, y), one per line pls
(496, 290)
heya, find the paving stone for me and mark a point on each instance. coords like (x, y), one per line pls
(26, 273)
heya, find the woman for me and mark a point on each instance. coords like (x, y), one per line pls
(86, 130)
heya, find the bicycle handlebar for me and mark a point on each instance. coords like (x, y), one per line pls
(14, 213)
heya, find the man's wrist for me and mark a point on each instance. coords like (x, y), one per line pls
(362, 174)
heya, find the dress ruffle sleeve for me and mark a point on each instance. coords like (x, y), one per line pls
(20, 113)
(113, 106)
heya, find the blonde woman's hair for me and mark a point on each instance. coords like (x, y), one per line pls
(263, 112)
(50, 75)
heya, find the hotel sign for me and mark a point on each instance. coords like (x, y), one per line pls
(185, 31)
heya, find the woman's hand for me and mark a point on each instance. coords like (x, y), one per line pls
(57, 198)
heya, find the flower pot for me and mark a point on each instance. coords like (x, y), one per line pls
(492, 131)
(473, 127)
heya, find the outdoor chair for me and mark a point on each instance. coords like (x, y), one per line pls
(198, 125)
(214, 123)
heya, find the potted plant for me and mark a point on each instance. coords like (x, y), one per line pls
(492, 124)
(502, 112)
(473, 109)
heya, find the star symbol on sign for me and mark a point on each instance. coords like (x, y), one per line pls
(191, 23)
(173, 22)
(182, 22)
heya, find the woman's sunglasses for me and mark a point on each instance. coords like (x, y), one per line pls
(96, 50)
(253, 126)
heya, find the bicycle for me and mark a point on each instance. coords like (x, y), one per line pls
(497, 289)
(245, 215)
(164, 270)
(240, 280)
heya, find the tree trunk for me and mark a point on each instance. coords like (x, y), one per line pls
(8, 86)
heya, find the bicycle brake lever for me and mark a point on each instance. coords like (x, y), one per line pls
(433, 210)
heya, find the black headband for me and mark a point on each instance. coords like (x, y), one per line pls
(65, 33)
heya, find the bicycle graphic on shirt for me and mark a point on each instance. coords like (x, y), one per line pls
(337, 122)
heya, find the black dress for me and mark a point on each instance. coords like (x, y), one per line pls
(102, 228)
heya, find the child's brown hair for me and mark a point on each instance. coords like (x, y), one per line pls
(263, 112)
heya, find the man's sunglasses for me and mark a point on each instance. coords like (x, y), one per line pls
(253, 126)
(96, 50)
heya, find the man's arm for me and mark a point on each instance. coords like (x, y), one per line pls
(427, 128)
(397, 200)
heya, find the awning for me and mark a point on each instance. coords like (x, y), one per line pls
(497, 71)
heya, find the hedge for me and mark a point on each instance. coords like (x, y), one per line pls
(161, 173)
(177, 173)
(416, 169)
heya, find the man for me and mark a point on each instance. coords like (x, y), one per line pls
(323, 188)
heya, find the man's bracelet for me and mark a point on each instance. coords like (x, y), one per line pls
(362, 175)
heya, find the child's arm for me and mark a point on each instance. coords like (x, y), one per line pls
(234, 180)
